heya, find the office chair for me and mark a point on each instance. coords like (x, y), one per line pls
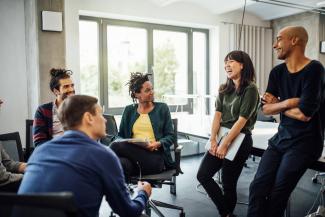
(12, 144)
(29, 139)
(60, 204)
(265, 118)
(167, 177)
(111, 129)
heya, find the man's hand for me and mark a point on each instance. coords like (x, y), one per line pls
(269, 98)
(22, 167)
(153, 146)
(222, 151)
(145, 186)
(213, 147)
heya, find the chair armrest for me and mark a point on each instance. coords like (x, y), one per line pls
(178, 151)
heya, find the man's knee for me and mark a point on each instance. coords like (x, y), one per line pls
(258, 188)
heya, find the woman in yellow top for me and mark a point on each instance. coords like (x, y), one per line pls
(148, 120)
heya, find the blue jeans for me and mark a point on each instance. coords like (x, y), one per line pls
(224, 200)
(277, 175)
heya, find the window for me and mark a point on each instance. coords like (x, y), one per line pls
(111, 49)
(170, 63)
(89, 70)
(126, 52)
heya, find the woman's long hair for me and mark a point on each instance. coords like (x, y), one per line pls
(247, 73)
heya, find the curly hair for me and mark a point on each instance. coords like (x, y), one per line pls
(247, 73)
(135, 83)
(57, 75)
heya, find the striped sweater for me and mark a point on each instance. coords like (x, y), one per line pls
(43, 122)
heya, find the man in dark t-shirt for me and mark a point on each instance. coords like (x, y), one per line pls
(295, 91)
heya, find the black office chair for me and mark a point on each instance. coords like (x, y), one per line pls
(111, 129)
(167, 177)
(29, 139)
(60, 204)
(12, 144)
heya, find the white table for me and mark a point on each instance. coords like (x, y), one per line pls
(200, 126)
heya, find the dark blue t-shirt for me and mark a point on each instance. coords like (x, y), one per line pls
(308, 85)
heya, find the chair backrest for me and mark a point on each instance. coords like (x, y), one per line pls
(60, 204)
(111, 130)
(12, 144)
(175, 125)
(111, 127)
(29, 138)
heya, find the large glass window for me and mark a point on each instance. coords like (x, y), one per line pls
(111, 49)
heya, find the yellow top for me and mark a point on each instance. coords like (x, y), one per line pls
(142, 128)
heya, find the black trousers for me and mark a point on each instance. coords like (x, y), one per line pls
(11, 187)
(133, 158)
(277, 175)
(224, 200)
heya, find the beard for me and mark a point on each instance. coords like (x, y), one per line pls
(65, 95)
(281, 56)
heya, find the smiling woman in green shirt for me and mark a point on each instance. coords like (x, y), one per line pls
(236, 109)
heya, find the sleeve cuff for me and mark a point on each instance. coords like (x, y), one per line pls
(144, 193)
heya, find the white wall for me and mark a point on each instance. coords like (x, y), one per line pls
(13, 80)
(180, 13)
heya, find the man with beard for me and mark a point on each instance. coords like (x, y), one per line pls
(295, 91)
(46, 123)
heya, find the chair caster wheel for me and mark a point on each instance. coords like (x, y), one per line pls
(182, 214)
(314, 179)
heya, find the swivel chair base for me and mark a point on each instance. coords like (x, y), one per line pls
(154, 204)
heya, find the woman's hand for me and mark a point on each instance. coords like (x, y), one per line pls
(222, 151)
(213, 147)
(153, 146)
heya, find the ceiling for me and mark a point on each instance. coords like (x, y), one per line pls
(266, 11)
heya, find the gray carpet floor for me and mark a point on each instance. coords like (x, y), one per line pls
(197, 204)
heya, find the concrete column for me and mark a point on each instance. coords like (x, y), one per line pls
(32, 64)
(51, 47)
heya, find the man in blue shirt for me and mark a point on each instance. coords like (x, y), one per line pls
(76, 162)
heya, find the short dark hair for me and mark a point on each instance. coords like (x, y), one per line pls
(73, 108)
(247, 73)
(135, 83)
(57, 75)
